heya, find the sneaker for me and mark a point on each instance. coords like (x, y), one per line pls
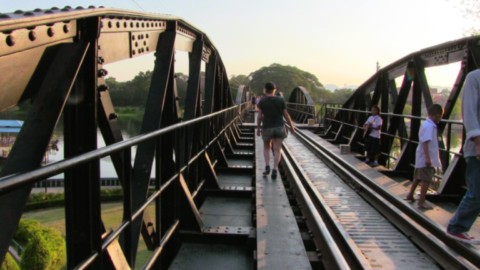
(274, 174)
(463, 237)
(375, 163)
(267, 170)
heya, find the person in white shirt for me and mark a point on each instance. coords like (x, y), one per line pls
(372, 136)
(427, 157)
(469, 208)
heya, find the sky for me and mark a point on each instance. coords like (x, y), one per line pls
(339, 41)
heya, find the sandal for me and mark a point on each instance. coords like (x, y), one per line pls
(409, 199)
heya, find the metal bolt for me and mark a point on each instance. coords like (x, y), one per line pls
(102, 72)
(50, 32)
(32, 35)
(10, 40)
(112, 116)
(100, 60)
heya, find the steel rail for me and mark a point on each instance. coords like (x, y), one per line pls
(332, 255)
(428, 235)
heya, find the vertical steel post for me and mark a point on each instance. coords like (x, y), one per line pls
(83, 223)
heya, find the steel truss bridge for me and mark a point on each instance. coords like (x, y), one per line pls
(55, 60)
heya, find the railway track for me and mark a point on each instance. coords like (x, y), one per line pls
(355, 223)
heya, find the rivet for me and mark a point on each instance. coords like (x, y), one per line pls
(4, 16)
(102, 72)
(112, 116)
(37, 10)
(18, 11)
(50, 32)
(32, 35)
(10, 40)
(28, 13)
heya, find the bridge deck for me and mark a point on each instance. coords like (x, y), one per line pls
(441, 212)
(279, 243)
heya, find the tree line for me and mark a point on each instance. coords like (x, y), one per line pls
(134, 92)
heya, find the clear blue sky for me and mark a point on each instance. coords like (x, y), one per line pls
(338, 41)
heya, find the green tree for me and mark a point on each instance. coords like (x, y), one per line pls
(340, 95)
(287, 78)
(44, 247)
(9, 263)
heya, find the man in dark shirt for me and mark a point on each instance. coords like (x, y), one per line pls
(271, 111)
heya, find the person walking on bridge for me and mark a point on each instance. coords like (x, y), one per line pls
(469, 208)
(271, 125)
(427, 157)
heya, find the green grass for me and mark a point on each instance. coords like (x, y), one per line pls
(111, 217)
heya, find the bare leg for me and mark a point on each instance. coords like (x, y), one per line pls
(267, 148)
(412, 190)
(277, 152)
(423, 194)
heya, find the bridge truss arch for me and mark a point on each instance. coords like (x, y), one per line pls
(400, 129)
(55, 58)
(300, 105)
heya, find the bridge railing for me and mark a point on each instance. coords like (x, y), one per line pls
(449, 141)
(57, 60)
(326, 112)
(300, 113)
(180, 167)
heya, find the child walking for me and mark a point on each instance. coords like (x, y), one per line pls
(426, 156)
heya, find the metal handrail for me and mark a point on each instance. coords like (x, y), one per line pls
(10, 182)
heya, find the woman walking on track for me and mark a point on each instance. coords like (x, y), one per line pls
(270, 124)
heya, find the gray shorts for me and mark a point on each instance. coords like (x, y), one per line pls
(274, 133)
(424, 174)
